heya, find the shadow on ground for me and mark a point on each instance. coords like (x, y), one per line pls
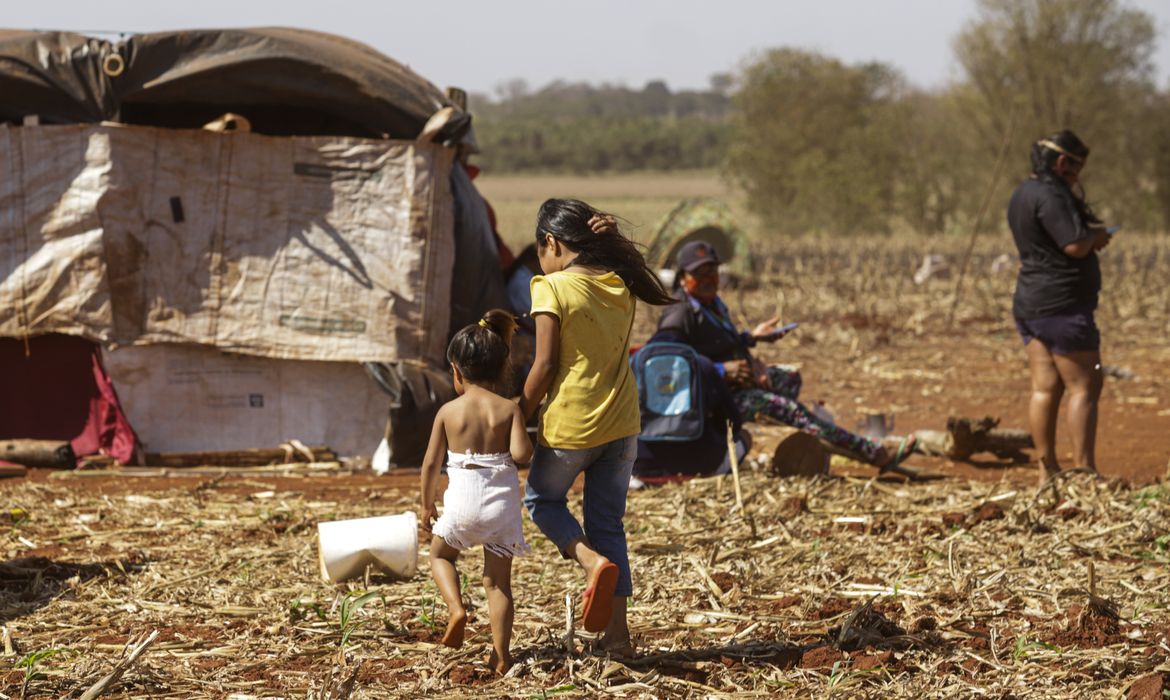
(29, 583)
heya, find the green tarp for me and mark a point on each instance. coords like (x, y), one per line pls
(706, 220)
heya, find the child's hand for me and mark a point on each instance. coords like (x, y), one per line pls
(603, 224)
(427, 515)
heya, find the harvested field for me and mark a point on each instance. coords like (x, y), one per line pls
(872, 341)
(847, 587)
(972, 585)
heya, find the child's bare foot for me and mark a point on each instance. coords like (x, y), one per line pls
(500, 664)
(456, 623)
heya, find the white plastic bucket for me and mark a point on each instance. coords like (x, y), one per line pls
(388, 542)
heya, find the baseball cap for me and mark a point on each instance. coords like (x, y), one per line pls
(694, 254)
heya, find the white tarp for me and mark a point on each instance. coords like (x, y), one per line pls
(189, 398)
(306, 248)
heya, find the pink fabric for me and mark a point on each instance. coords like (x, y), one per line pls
(59, 390)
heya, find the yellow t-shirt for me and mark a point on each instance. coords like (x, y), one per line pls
(593, 399)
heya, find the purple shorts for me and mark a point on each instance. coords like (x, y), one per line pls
(1063, 334)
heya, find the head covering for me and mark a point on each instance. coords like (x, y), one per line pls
(695, 254)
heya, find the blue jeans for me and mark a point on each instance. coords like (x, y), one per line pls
(607, 479)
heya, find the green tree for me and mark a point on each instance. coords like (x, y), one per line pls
(1160, 153)
(932, 181)
(577, 127)
(1037, 66)
(811, 144)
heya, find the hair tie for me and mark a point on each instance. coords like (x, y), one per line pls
(484, 324)
(1051, 145)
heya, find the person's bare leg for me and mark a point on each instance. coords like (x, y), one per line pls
(589, 559)
(1081, 374)
(616, 638)
(446, 577)
(497, 584)
(1047, 390)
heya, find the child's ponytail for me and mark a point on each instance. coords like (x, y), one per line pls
(481, 350)
(568, 221)
(500, 322)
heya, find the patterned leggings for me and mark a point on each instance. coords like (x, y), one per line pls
(780, 404)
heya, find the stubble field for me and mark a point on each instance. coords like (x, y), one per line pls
(970, 585)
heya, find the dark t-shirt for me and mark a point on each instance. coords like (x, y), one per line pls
(688, 323)
(1044, 219)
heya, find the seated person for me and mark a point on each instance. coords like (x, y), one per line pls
(701, 319)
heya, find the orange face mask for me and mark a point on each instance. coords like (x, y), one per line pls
(704, 288)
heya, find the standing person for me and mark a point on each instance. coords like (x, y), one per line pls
(584, 311)
(483, 438)
(1058, 237)
(701, 319)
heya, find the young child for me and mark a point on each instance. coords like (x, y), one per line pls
(481, 434)
(584, 312)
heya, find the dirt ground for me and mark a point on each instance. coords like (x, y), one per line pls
(829, 587)
(919, 379)
(980, 370)
(223, 565)
(970, 585)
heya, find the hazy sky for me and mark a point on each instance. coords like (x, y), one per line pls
(477, 45)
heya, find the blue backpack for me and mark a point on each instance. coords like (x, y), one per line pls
(670, 392)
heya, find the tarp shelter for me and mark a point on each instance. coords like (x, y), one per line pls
(700, 219)
(234, 281)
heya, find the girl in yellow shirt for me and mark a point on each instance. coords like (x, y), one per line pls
(583, 306)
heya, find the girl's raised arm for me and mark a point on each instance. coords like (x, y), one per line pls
(521, 446)
(432, 462)
(544, 367)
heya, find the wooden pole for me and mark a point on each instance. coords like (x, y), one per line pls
(733, 455)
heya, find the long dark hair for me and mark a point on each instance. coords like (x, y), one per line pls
(568, 222)
(481, 350)
(1045, 151)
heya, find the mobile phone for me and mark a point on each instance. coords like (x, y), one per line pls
(1112, 230)
(781, 331)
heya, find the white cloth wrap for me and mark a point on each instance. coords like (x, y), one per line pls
(482, 504)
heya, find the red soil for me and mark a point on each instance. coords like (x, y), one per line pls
(1152, 687)
(821, 657)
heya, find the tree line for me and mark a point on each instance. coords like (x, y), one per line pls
(820, 145)
(574, 127)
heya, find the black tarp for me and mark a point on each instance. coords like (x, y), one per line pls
(285, 81)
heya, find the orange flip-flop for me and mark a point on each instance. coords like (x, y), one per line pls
(597, 600)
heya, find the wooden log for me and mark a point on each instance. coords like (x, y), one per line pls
(934, 443)
(10, 470)
(1007, 442)
(967, 436)
(39, 453)
(242, 458)
(799, 454)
